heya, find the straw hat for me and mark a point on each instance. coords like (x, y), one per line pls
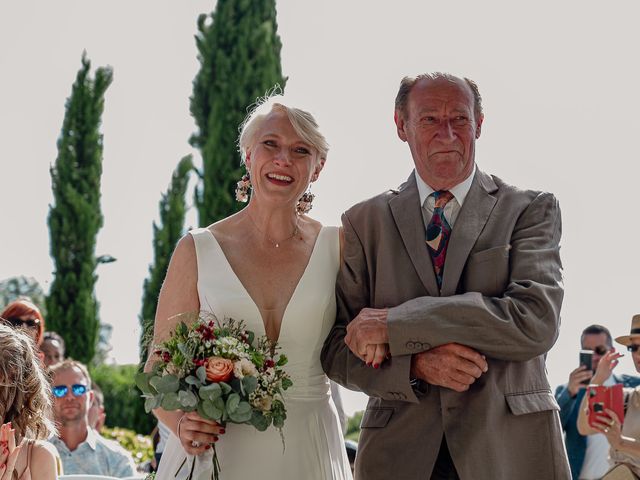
(635, 332)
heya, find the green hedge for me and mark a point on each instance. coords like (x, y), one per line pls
(122, 402)
(353, 427)
(140, 446)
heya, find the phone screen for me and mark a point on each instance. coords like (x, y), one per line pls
(586, 358)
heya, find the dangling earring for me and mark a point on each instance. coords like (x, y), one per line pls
(304, 204)
(242, 188)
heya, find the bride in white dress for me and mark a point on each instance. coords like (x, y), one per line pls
(275, 268)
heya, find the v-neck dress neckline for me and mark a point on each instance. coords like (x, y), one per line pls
(241, 285)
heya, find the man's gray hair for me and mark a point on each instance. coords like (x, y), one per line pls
(407, 84)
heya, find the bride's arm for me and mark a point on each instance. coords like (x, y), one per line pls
(179, 294)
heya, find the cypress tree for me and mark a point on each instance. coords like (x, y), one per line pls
(75, 216)
(173, 210)
(239, 53)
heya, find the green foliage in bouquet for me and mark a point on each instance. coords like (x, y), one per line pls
(220, 370)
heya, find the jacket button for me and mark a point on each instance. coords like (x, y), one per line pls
(411, 345)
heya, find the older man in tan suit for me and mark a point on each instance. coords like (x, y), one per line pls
(456, 278)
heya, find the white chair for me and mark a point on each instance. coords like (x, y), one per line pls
(97, 477)
(86, 477)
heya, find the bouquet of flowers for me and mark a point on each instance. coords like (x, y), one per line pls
(220, 370)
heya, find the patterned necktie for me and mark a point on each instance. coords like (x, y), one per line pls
(438, 232)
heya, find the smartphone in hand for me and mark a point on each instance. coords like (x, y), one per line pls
(586, 360)
(601, 398)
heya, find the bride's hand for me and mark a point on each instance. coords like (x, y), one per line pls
(376, 354)
(196, 434)
(8, 451)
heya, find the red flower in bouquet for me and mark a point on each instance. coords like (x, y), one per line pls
(219, 369)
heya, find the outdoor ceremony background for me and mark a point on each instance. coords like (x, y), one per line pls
(561, 105)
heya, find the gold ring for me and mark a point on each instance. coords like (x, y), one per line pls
(611, 423)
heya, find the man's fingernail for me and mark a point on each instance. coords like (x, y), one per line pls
(375, 365)
(222, 430)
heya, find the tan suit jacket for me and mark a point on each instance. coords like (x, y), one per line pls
(501, 295)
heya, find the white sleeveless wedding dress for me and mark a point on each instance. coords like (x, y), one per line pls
(314, 446)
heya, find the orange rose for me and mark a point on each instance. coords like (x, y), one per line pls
(219, 369)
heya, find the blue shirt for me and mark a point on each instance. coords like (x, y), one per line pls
(95, 456)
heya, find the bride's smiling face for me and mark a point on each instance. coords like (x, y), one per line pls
(281, 163)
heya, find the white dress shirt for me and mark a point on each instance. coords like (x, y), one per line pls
(452, 208)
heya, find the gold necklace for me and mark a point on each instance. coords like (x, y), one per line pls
(271, 240)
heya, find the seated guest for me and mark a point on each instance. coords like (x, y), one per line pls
(82, 449)
(588, 456)
(25, 411)
(52, 347)
(623, 437)
(22, 314)
(96, 414)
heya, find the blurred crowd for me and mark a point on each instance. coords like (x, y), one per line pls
(52, 412)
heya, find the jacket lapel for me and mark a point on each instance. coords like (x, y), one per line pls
(405, 208)
(471, 220)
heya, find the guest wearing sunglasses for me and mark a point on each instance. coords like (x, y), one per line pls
(588, 455)
(82, 449)
(622, 436)
(22, 314)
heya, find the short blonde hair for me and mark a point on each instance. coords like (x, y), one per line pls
(302, 121)
(70, 364)
(25, 394)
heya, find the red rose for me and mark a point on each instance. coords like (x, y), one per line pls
(219, 369)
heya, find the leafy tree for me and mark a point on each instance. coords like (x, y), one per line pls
(353, 426)
(14, 288)
(122, 401)
(75, 217)
(173, 210)
(239, 54)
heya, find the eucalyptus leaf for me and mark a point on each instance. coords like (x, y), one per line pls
(219, 403)
(187, 399)
(232, 402)
(250, 384)
(226, 388)
(278, 421)
(191, 380)
(142, 382)
(259, 421)
(165, 384)
(210, 392)
(242, 414)
(201, 373)
(152, 402)
(170, 402)
(211, 411)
